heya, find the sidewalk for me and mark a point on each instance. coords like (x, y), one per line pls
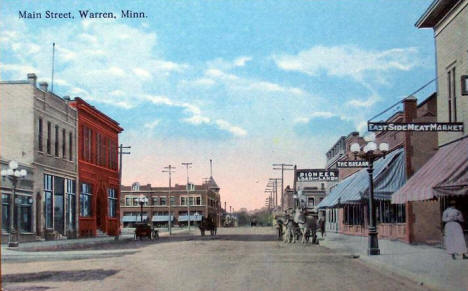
(424, 264)
(51, 245)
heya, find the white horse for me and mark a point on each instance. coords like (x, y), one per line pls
(289, 236)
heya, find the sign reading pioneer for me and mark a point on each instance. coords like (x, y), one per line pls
(421, 127)
(310, 175)
(352, 164)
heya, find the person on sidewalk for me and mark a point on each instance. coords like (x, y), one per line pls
(453, 233)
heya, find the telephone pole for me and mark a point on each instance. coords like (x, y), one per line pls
(284, 167)
(122, 152)
(169, 169)
(187, 166)
(275, 187)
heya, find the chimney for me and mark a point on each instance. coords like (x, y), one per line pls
(43, 86)
(32, 79)
(410, 108)
(409, 114)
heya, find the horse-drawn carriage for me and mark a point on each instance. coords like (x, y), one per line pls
(207, 224)
(143, 229)
(298, 224)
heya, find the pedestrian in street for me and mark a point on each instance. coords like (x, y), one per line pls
(279, 226)
(453, 233)
(321, 223)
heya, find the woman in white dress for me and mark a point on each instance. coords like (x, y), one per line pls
(453, 233)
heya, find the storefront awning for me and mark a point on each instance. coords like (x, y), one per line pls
(161, 218)
(446, 173)
(132, 218)
(389, 176)
(192, 218)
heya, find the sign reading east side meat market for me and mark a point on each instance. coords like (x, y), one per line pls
(423, 126)
(352, 164)
(309, 175)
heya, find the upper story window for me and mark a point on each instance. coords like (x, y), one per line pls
(70, 146)
(452, 96)
(56, 141)
(86, 150)
(155, 201)
(64, 142)
(39, 137)
(136, 186)
(49, 136)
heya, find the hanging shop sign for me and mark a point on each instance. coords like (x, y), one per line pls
(352, 164)
(311, 175)
(421, 126)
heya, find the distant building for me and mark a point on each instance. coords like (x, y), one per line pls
(99, 182)
(202, 201)
(38, 129)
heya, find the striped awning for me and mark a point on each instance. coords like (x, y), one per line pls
(389, 176)
(161, 218)
(192, 217)
(132, 218)
(446, 173)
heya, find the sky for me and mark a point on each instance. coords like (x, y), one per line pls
(244, 83)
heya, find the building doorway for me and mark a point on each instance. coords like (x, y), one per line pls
(59, 204)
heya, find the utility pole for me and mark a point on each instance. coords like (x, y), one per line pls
(187, 166)
(275, 187)
(284, 167)
(169, 169)
(122, 150)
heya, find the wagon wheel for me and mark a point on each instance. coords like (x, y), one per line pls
(151, 235)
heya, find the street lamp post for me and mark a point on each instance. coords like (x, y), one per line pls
(14, 175)
(142, 200)
(370, 153)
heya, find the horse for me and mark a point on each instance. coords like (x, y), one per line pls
(290, 233)
(207, 224)
(307, 226)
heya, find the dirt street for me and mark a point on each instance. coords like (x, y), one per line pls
(236, 259)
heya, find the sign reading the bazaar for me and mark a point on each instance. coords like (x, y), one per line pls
(422, 126)
(352, 164)
(310, 175)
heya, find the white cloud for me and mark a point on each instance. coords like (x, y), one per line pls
(235, 130)
(152, 125)
(144, 74)
(348, 61)
(197, 119)
(241, 61)
(313, 115)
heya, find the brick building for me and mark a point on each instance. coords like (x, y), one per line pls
(444, 176)
(99, 181)
(202, 201)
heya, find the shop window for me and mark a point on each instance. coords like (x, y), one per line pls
(85, 200)
(6, 212)
(386, 212)
(25, 213)
(354, 214)
(112, 203)
(48, 213)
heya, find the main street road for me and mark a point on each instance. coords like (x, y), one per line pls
(237, 259)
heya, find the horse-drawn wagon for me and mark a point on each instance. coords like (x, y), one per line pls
(143, 229)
